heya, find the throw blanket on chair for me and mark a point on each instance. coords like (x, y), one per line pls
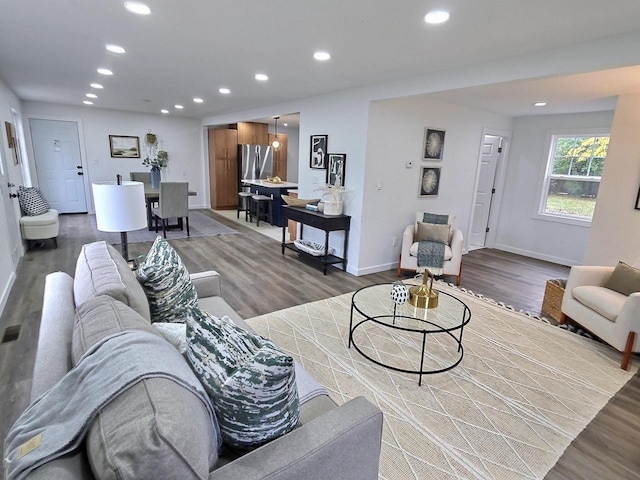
(431, 254)
(57, 422)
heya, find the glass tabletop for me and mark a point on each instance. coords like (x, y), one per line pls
(374, 302)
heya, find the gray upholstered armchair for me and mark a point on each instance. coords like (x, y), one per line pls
(606, 301)
(452, 252)
(173, 202)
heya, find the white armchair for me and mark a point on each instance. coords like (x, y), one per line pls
(452, 257)
(612, 316)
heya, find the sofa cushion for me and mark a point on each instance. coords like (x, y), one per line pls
(624, 279)
(252, 384)
(156, 428)
(433, 232)
(101, 317)
(175, 333)
(32, 202)
(101, 270)
(602, 300)
(167, 283)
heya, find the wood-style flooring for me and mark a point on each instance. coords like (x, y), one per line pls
(257, 279)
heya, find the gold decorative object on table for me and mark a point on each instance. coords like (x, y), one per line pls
(275, 179)
(424, 296)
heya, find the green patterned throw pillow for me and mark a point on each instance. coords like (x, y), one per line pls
(251, 383)
(167, 283)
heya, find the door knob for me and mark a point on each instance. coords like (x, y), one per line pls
(79, 166)
(11, 185)
(80, 173)
(13, 195)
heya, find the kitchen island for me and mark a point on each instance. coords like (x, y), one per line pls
(273, 190)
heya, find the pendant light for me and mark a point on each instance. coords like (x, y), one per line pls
(276, 144)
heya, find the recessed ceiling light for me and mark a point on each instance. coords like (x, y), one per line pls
(115, 48)
(105, 71)
(224, 91)
(436, 16)
(164, 110)
(91, 95)
(137, 7)
(261, 77)
(197, 100)
(87, 102)
(321, 56)
(179, 107)
(285, 124)
(539, 104)
(96, 85)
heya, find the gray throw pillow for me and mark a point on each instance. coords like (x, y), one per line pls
(32, 202)
(167, 283)
(433, 232)
(624, 279)
(251, 383)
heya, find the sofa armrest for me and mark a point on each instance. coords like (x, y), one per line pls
(343, 443)
(207, 284)
(53, 357)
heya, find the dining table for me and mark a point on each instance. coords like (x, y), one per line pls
(151, 196)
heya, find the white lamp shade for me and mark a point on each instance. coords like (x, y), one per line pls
(119, 208)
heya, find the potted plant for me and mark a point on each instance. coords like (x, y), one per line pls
(156, 159)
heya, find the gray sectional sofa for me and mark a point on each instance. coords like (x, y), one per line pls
(156, 427)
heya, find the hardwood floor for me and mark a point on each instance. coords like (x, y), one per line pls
(257, 279)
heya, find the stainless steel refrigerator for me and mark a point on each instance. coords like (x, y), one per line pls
(255, 162)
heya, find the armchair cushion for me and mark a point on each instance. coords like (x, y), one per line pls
(602, 300)
(624, 279)
(433, 232)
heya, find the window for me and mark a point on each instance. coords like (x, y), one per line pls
(573, 176)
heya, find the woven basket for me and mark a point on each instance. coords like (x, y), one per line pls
(298, 202)
(552, 301)
(312, 248)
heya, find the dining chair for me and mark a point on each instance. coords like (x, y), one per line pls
(144, 177)
(173, 202)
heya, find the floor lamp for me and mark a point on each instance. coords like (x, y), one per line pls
(120, 207)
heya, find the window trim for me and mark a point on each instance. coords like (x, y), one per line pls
(545, 175)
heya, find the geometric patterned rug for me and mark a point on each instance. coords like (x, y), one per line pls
(522, 392)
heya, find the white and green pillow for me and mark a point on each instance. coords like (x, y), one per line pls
(251, 383)
(167, 283)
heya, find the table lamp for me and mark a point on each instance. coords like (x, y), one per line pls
(120, 207)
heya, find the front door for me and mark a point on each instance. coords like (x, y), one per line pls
(491, 150)
(56, 148)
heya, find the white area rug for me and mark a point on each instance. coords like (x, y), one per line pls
(522, 393)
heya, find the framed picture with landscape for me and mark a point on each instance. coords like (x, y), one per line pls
(123, 146)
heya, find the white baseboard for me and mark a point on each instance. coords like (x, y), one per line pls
(6, 291)
(548, 258)
(373, 269)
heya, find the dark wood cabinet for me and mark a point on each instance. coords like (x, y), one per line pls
(279, 156)
(253, 133)
(223, 168)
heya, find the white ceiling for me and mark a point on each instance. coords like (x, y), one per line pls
(50, 50)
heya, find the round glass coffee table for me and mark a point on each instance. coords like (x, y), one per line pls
(401, 337)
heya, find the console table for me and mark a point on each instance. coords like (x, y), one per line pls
(327, 223)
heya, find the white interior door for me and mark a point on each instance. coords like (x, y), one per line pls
(491, 150)
(56, 148)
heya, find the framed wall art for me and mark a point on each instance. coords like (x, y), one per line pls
(318, 153)
(637, 207)
(336, 169)
(12, 142)
(123, 146)
(429, 181)
(433, 146)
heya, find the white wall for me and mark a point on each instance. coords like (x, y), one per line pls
(616, 224)
(396, 133)
(9, 232)
(181, 137)
(519, 231)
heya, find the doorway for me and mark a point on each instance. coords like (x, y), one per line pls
(56, 149)
(11, 224)
(491, 154)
